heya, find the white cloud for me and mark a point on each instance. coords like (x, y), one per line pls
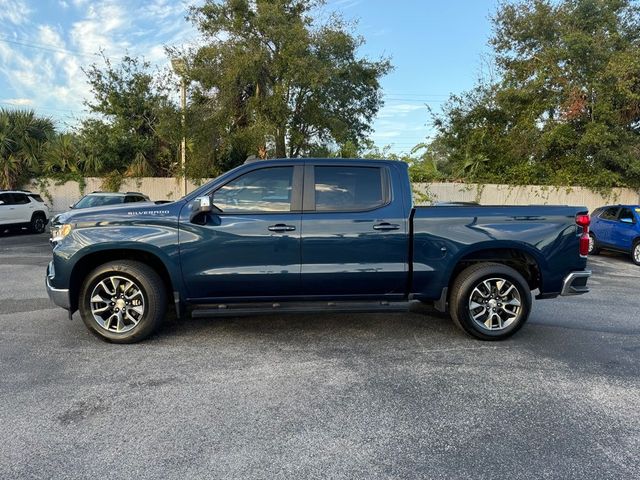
(14, 11)
(17, 101)
(48, 73)
(400, 109)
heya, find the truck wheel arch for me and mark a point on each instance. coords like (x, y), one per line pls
(524, 262)
(94, 259)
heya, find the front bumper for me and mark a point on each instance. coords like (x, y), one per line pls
(59, 296)
(576, 283)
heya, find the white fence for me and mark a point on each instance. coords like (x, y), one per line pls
(61, 196)
(492, 194)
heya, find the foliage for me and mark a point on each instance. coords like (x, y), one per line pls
(136, 132)
(112, 181)
(23, 137)
(272, 81)
(566, 106)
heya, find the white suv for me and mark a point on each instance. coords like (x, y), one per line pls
(20, 208)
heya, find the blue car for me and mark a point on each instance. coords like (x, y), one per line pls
(617, 228)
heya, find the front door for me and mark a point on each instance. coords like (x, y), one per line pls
(251, 248)
(355, 238)
(606, 224)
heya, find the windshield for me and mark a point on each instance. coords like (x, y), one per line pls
(99, 200)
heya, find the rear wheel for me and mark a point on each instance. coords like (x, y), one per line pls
(593, 245)
(38, 223)
(635, 252)
(490, 301)
(123, 301)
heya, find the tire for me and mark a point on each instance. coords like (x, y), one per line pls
(38, 223)
(495, 320)
(139, 293)
(635, 252)
(594, 249)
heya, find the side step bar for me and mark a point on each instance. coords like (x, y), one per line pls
(237, 309)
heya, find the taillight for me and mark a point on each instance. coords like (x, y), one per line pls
(584, 221)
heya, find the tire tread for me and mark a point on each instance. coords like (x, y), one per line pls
(460, 284)
(156, 299)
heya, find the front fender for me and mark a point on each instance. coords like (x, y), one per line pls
(118, 241)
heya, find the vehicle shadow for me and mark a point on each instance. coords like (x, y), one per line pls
(17, 231)
(321, 327)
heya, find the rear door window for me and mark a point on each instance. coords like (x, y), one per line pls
(6, 198)
(610, 213)
(345, 188)
(626, 215)
(20, 198)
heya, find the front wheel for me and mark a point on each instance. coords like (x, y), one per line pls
(635, 253)
(123, 301)
(490, 301)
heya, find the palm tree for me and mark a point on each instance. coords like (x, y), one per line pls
(23, 136)
(62, 154)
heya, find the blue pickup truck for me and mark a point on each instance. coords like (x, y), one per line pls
(303, 235)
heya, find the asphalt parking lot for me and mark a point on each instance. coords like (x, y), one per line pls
(329, 396)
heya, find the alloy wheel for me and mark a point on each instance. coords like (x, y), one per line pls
(495, 304)
(117, 304)
(38, 225)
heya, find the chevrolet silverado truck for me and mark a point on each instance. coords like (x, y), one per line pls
(305, 235)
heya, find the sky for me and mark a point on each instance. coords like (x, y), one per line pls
(438, 48)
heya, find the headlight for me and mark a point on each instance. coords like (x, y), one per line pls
(58, 233)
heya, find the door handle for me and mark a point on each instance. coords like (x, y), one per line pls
(386, 226)
(281, 227)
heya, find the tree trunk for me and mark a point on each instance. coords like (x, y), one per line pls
(281, 148)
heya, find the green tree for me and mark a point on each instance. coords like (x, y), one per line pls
(131, 135)
(62, 155)
(565, 108)
(277, 83)
(23, 137)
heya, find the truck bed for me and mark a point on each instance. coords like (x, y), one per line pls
(446, 235)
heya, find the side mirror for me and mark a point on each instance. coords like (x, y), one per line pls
(626, 220)
(200, 205)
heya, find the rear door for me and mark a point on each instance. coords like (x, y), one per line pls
(7, 209)
(625, 230)
(606, 223)
(23, 207)
(355, 237)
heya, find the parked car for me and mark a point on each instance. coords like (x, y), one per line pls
(102, 199)
(616, 228)
(313, 235)
(21, 208)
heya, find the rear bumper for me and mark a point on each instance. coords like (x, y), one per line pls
(576, 283)
(59, 296)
